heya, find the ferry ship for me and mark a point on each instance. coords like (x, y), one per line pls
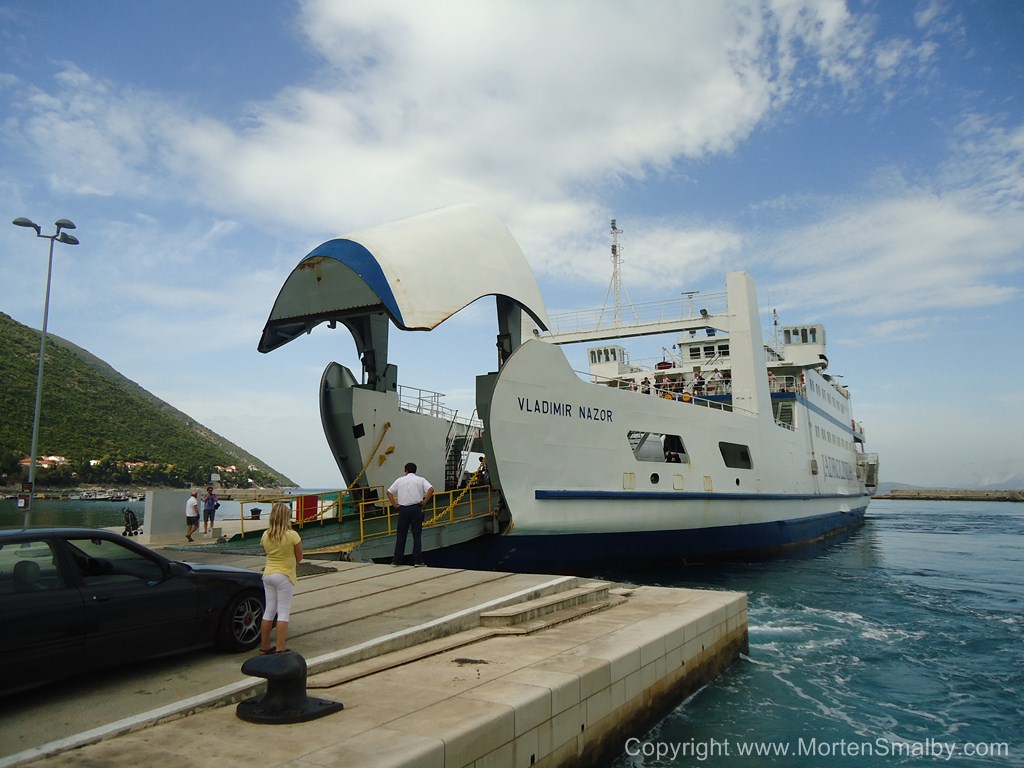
(730, 442)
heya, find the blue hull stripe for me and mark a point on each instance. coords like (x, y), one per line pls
(682, 496)
(595, 553)
(792, 396)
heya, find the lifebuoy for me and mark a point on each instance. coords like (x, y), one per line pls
(687, 397)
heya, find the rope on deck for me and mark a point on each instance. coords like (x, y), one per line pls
(348, 546)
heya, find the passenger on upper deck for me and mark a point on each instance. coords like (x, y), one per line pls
(714, 381)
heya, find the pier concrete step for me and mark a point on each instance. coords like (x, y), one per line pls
(588, 597)
(519, 619)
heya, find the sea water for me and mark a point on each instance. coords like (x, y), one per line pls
(899, 645)
(89, 513)
(76, 513)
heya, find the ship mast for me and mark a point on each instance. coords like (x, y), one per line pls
(616, 272)
(615, 288)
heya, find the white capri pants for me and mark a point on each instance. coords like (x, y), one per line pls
(278, 589)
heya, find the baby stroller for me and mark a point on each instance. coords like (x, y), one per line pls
(131, 523)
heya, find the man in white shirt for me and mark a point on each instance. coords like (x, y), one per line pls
(191, 515)
(409, 494)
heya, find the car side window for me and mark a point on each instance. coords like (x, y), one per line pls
(102, 561)
(29, 566)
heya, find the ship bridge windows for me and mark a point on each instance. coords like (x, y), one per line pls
(709, 351)
(811, 334)
(735, 455)
(607, 355)
(657, 447)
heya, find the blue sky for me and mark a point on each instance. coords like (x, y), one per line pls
(862, 160)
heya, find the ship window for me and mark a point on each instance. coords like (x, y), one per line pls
(723, 350)
(787, 336)
(814, 335)
(735, 455)
(695, 353)
(803, 335)
(709, 351)
(657, 447)
(593, 357)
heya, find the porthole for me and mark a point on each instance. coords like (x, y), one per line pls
(655, 477)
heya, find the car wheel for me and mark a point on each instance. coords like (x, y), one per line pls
(240, 623)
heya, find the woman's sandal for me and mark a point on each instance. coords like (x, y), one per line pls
(267, 652)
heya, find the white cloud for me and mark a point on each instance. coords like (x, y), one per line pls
(912, 249)
(421, 105)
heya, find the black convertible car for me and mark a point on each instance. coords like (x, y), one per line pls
(74, 600)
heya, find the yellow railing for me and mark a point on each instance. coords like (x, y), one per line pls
(444, 508)
(371, 508)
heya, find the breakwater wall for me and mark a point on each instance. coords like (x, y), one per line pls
(951, 494)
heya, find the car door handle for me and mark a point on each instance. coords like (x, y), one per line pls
(102, 598)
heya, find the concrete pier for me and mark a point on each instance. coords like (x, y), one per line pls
(434, 667)
(951, 494)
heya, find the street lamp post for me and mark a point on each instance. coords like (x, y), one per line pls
(67, 239)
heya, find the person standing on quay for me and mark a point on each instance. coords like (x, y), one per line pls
(191, 515)
(210, 506)
(284, 553)
(409, 494)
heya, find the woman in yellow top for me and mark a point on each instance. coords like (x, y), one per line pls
(284, 553)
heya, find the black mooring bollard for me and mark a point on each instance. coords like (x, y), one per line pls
(285, 700)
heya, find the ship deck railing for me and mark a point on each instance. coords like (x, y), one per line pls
(713, 394)
(711, 387)
(681, 309)
(430, 403)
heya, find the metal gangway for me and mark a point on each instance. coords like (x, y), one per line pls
(360, 524)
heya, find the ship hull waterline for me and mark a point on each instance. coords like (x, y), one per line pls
(575, 553)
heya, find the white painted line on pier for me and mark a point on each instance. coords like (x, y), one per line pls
(129, 723)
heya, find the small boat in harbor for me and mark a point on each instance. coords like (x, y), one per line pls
(729, 442)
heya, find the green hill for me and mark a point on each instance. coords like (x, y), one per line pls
(103, 423)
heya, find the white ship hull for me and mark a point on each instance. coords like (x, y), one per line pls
(568, 474)
(574, 471)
